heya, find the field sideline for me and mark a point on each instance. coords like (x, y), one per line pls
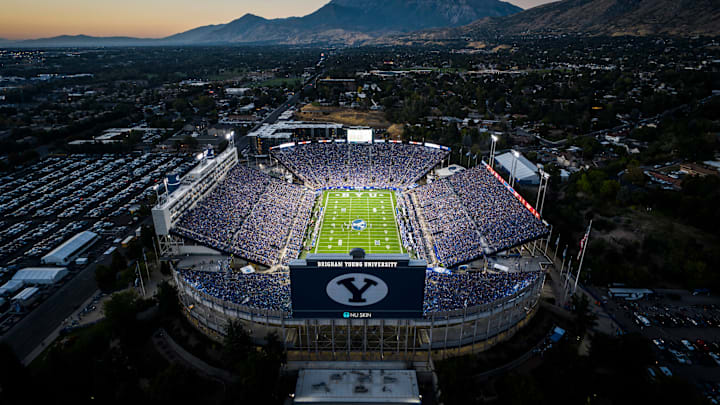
(364, 219)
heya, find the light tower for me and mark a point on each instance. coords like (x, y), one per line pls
(516, 155)
(494, 139)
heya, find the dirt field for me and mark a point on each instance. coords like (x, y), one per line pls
(345, 116)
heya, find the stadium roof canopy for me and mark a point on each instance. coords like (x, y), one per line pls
(525, 171)
(41, 275)
(319, 386)
(65, 253)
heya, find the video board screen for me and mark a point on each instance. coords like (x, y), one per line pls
(356, 289)
(360, 135)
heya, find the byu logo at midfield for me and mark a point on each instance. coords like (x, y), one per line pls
(359, 225)
(357, 289)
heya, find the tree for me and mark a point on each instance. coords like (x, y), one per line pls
(146, 237)
(105, 278)
(15, 384)
(167, 299)
(118, 262)
(236, 346)
(584, 318)
(120, 312)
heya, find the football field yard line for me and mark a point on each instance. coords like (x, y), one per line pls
(322, 221)
(397, 231)
(367, 204)
(346, 220)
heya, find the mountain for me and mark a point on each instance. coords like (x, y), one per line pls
(348, 22)
(338, 22)
(72, 41)
(594, 17)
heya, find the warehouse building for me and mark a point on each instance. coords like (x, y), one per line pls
(71, 249)
(11, 287)
(40, 275)
(25, 298)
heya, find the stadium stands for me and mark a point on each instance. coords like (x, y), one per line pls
(471, 212)
(251, 215)
(380, 165)
(443, 292)
(499, 215)
(255, 290)
(447, 292)
(450, 221)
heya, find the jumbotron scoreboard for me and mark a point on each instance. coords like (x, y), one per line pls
(357, 286)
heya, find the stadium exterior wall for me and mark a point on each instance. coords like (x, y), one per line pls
(472, 329)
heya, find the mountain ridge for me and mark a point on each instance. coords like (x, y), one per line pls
(338, 22)
(593, 17)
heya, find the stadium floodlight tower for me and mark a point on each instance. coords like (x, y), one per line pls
(542, 191)
(516, 156)
(231, 139)
(494, 139)
(157, 195)
(202, 158)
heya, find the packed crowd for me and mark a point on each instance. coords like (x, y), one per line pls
(216, 218)
(499, 215)
(471, 212)
(454, 237)
(448, 292)
(443, 292)
(264, 235)
(255, 290)
(410, 231)
(380, 165)
(251, 215)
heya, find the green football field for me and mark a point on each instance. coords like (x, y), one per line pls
(364, 219)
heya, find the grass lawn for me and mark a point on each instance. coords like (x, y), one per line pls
(364, 219)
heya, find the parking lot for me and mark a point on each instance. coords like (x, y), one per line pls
(685, 334)
(45, 204)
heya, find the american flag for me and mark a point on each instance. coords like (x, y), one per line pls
(583, 241)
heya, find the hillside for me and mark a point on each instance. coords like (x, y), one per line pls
(594, 17)
(340, 22)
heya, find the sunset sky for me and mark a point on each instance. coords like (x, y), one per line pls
(21, 19)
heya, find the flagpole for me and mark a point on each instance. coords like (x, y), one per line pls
(547, 242)
(567, 278)
(557, 245)
(147, 269)
(563, 261)
(587, 239)
(137, 271)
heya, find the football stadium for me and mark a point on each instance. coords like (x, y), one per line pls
(351, 248)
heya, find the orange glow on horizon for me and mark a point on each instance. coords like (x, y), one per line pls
(26, 19)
